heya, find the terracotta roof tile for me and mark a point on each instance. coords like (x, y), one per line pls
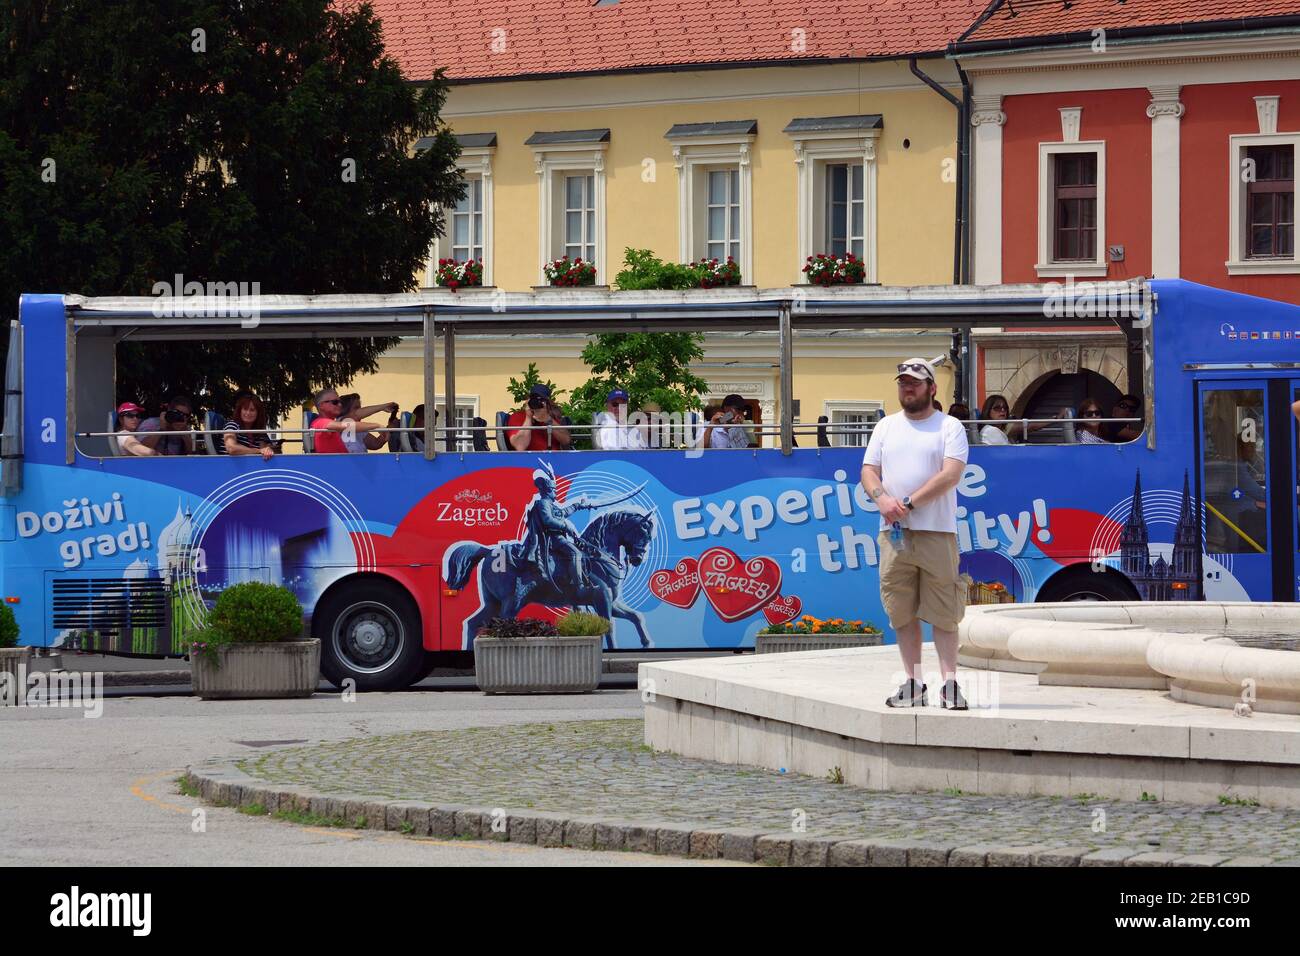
(1023, 19)
(576, 36)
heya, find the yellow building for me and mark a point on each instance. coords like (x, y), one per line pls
(728, 131)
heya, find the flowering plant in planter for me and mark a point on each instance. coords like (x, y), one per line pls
(814, 625)
(822, 269)
(453, 274)
(712, 273)
(570, 272)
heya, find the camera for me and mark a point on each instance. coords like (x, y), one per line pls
(536, 402)
(175, 417)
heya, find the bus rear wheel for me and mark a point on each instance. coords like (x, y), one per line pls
(370, 633)
(1087, 586)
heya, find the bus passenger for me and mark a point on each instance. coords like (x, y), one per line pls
(1002, 432)
(1089, 432)
(128, 416)
(996, 409)
(417, 421)
(175, 418)
(250, 416)
(1126, 407)
(354, 411)
(539, 412)
(613, 432)
(329, 426)
(727, 425)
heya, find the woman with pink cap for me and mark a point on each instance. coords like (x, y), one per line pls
(128, 418)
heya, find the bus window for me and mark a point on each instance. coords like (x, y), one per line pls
(1235, 462)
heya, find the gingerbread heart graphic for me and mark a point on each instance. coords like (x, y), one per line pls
(782, 609)
(678, 587)
(737, 589)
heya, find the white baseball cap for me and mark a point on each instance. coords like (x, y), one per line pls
(917, 368)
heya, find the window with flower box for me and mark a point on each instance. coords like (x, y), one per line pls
(715, 191)
(570, 166)
(835, 169)
(467, 229)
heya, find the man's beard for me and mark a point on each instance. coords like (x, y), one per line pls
(917, 403)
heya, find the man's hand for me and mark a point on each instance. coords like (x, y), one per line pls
(891, 508)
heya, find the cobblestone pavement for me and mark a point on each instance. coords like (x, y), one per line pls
(602, 769)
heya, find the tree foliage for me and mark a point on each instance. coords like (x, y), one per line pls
(652, 367)
(226, 141)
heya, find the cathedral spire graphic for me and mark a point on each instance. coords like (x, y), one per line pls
(1179, 579)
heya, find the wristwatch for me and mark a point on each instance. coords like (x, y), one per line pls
(907, 503)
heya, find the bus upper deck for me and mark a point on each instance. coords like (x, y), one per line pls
(386, 552)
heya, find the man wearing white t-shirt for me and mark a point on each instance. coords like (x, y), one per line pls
(911, 469)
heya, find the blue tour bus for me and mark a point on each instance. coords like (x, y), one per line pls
(398, 558)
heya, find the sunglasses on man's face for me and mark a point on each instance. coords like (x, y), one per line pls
(1127, 406)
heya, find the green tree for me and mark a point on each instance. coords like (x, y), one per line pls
(520, 387)
(652, 367)
(227, 141)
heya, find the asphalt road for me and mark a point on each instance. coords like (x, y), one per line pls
(91, 792)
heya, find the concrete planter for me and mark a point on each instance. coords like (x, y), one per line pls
(16, 662)
(537, 665)
(787, 643)
(286, 669)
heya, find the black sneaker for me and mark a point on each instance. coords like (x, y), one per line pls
(950, 697)
(909, 694)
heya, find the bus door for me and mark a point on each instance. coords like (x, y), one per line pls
(1246, 478)
(1293, 422)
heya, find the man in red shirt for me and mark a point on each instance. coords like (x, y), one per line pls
(540, 411)
(328, 428)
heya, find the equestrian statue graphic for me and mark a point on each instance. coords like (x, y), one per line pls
(554, 565)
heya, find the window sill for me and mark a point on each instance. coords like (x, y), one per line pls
(1263, 267)
(1055, 269)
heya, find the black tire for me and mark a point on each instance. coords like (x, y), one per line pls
(1087, 586)
(369, 632)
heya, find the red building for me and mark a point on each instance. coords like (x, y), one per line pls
(1122, 139)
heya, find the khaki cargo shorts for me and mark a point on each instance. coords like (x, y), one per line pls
(921, 581)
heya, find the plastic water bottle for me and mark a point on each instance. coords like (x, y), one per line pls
(896, 537)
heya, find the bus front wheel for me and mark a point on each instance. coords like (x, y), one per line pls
(370, 633)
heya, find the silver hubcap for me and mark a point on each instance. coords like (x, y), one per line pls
(368, 637)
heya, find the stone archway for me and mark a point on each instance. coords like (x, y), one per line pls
(1017, 369)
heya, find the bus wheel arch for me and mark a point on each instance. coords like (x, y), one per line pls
(371, 633)
(1079, 582)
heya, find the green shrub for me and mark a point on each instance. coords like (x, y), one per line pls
(254, 613)
(642, 269)
(8, 627)
(581, 624)
(518, 627)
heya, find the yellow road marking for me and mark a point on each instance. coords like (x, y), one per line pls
(137, 790)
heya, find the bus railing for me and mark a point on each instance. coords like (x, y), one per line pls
(655, 429)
